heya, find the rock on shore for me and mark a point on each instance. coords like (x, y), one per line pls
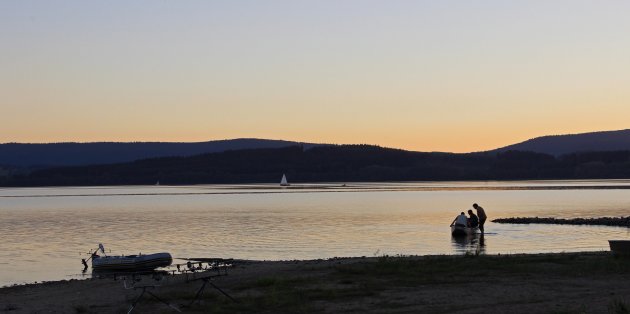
(602, 221)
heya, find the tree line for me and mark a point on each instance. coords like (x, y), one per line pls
(335, 163)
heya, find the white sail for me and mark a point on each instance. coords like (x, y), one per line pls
(284, 182)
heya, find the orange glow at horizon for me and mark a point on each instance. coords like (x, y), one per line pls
(422, 76)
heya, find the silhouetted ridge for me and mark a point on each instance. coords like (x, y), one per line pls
(33, 156)
(74, 154)
(572, 143)
(335, 163)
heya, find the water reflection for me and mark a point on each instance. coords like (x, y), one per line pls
(469, 244)
(42, 237)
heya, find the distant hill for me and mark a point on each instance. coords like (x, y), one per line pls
(333, 163)
(76, 154)
(572, 143)
(17, 158)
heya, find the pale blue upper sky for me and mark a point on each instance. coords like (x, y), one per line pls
(421, 75)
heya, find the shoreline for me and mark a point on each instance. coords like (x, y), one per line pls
(514, 283)
(243, 262)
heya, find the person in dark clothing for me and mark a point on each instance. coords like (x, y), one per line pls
(481, 213)
(473, 220)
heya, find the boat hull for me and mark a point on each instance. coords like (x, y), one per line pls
(462, 231)
(132, 262)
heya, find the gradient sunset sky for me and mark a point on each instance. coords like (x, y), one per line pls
(453, 76)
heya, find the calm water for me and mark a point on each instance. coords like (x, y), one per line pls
(44, 230)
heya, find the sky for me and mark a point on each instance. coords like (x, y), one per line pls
(453, 76)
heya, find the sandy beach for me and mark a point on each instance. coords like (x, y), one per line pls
(540, 283)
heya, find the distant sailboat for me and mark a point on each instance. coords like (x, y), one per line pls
(284, 182)
(157, 183)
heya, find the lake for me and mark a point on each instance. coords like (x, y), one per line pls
(46, 231)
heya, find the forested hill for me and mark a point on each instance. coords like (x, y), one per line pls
(344, 163)
(76, 154)
(572, 143)
(26, 157)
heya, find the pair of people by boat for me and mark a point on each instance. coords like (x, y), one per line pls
(472, 221)
(463, 221)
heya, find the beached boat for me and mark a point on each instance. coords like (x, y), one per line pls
(459, 230)
(132, 262)
(620, 247)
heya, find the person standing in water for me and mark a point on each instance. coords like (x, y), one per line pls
(481, 213)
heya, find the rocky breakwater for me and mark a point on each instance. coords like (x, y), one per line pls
(602, 221)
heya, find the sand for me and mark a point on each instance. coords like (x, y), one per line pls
(541, 283)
